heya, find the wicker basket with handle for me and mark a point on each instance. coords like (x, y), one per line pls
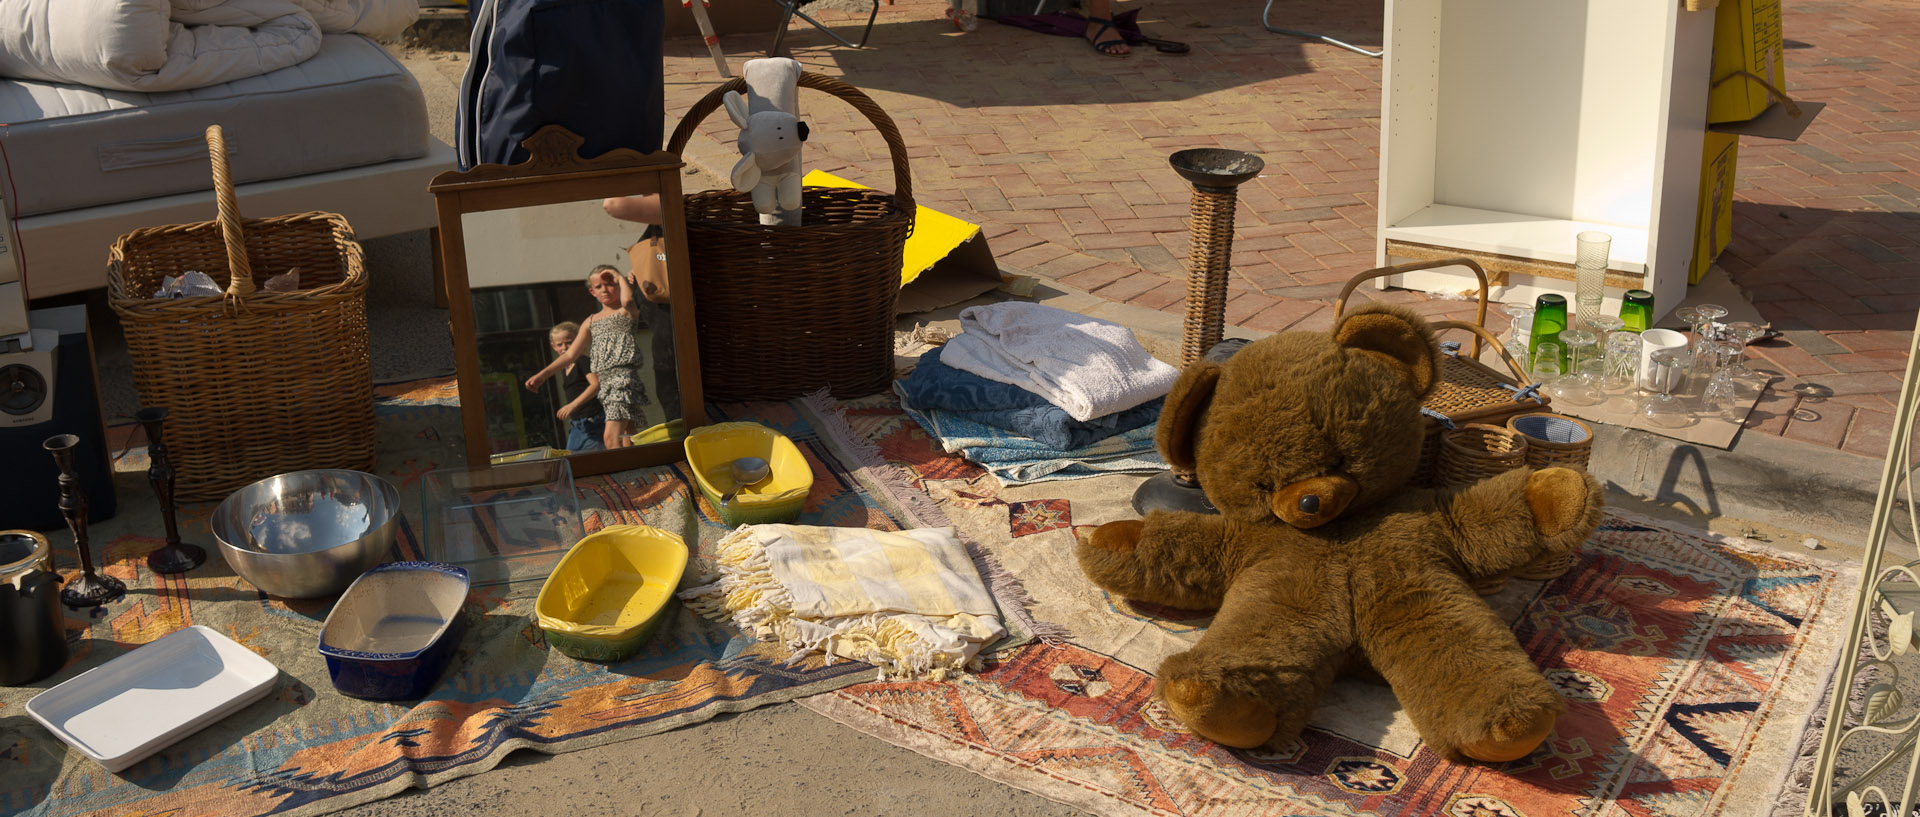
(256, 382)
(784, 310)
(1469, 391)
(1476, 451)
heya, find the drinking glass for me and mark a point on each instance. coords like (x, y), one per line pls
(1663, 408)
(1590, 273)
(1636, 308)
(1519, 327)
(1605, 326)
(1622, 361)
(1545, 365)
(1690, 315)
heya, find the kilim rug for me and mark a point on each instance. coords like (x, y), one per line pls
(1689, 662)
(306, 749)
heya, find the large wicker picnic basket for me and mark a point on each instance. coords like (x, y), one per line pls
(1469, 391)
(785, 310)
(256, 382)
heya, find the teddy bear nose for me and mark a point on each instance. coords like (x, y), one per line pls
(1314, 502)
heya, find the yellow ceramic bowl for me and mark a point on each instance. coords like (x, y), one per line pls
(711, 451)
(609, 593)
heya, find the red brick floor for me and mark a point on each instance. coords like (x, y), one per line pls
(1061, 155)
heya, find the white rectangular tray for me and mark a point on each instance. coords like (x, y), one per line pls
(128, 708)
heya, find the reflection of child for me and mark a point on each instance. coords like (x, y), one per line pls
(586, 420)
(607, 339)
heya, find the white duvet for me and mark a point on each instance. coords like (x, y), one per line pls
(176, 45)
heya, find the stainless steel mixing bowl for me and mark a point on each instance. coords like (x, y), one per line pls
(307, 534)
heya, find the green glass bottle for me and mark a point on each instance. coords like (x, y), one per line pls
(1549, 320)
(1636, 308)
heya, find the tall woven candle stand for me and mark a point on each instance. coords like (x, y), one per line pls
(1216, 175)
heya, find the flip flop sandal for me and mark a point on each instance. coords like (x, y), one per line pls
(1103, 47)
(1130, 31)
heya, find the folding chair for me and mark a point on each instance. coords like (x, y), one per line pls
(793, 10)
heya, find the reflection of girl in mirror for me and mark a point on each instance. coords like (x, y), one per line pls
(607, 339)
(586, 420)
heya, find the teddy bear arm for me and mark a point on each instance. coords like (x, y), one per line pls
(1177, 559)
(1255, 677)
(1454, 665)
(1502, 523)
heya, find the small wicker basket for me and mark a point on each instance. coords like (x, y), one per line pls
(786, 310)
(256, 382)
(1476, 451)
(1554, 439)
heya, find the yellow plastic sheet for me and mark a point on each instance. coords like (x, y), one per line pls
(935, 234)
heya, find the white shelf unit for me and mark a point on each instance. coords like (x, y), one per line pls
(1509, 126)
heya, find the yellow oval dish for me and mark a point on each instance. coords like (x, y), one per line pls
(711, 451)
(610, 592)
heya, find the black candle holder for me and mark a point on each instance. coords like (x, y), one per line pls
(174, 557)
(90, 589)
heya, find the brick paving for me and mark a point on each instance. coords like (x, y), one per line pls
(1060, 155)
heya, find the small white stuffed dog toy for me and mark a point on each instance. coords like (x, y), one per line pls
(769, 143)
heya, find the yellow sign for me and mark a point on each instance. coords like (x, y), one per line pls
(935, 234)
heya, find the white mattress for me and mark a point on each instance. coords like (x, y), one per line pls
(71, 146)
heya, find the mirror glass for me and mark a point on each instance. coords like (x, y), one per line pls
(573, 330)
(532, 274)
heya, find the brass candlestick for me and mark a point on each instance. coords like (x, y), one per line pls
(174, 557)
(1216, 175)
(90, 589)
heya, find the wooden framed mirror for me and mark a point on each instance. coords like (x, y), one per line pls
(518, 245)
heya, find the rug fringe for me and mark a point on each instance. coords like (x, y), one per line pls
(897, 483)
(1789, 796)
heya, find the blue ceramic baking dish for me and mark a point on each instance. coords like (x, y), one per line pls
(394, 630)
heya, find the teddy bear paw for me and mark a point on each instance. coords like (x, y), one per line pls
(1220, 716)
(1515, 739)
(1117, 537)
(1561, 499)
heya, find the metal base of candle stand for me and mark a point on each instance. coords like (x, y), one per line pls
(92, 591)
(1169, 491)
(176, 557)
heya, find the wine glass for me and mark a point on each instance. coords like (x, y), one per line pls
(1709, 313)
(1663, 409)
(1743, 333)
(1580, 384)
(1690, 315)
(1605, 326)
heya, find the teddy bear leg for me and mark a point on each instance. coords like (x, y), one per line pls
(1458, 672)
(1170, 558)
(1520, 520)
(1256, 675)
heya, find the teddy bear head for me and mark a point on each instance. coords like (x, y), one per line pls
(1305, 426)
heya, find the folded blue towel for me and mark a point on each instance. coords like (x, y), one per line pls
(935, 386)
(1014, 459)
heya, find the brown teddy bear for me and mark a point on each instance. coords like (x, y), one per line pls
(1322, 560)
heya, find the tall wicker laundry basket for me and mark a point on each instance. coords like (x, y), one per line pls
(257, 382)
(787, 310)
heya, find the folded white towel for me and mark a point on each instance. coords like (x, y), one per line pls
(1087, 366)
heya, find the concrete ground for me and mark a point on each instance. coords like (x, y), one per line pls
(1106, 237)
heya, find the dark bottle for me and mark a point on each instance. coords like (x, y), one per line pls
(1549, 320)
(33, 635)
(1636, 308)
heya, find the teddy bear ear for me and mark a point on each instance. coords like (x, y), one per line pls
(1400, 337)
(1179, 430)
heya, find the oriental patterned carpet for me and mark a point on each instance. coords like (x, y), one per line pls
(306, 749)
(1689, 662)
